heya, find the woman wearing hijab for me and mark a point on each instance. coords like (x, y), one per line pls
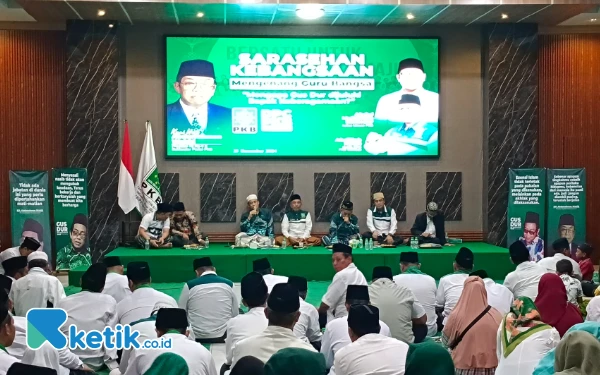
(523, 339)
(553, 304)
(546, 365)
(428, 358)
(578, 354)
(471, 329)
(296, 361)
(248, 365)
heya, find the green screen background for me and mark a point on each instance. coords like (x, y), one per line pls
(315, 127)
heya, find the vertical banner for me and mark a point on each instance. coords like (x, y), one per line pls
(566, 206)
(71, 230)
(526, 209)
(29, 210)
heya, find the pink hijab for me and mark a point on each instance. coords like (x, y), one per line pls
(477, 350)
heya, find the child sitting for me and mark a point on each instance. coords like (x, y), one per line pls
(564, 269)
(583, 255)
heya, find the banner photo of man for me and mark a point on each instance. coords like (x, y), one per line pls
(77, 252)
(301, 97)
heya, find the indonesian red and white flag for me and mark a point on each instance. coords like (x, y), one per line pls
(127, 199)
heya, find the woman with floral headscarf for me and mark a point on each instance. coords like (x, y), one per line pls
(523, 339)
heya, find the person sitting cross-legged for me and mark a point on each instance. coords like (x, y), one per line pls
(382, 222)
(297, 225)
(155, 228)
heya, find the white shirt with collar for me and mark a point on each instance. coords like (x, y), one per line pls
(424, 289)
(244, 326)
(397, 307)
(201, 114)
(197, 357)
(296, 229)
(499, 296)
(267, 343)
(335, 297)
(372, 354)
(102, 315)
(272, 280)
(524, 280)
(430, 227)
(6, 360)
(117, 286)
(549, 264)
(449, 292)
(307, 327)
(210, 302)
(140, 303)
(11, 252)
(382, 225)
(593, 310)
(336, 337)
(35, 290)
(388, 108)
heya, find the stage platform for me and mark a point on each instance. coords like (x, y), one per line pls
(175, 265)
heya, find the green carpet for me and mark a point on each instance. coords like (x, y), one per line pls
(175, 265)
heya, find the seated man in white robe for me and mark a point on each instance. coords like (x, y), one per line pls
(140, 303)
(38, 289)
(296, 226)
(282, 312)
(256, 226)
(209, 301)
(370, 352)
(307, 328)
(172, 324)
(28, 246)
(90, 310)
(263, 266)
(499, 296)
(336, 333)
(382, 223)
(117, 285)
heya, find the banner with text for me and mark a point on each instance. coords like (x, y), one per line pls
(29, 210)
(566, 206)
(526, 209)
(71, 218)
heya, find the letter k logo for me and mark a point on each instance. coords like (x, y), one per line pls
(44, 325)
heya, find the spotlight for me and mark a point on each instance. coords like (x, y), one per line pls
(110, 25)
(410, 16)
(504, 16)
(101, 12)
(310, 11)
(200, 14)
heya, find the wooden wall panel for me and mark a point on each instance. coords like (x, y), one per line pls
(569, 113)
(32, 108)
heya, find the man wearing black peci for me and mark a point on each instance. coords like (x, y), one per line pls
(429, 226)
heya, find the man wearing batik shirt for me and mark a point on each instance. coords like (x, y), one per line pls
(256, 225)
(77, 252)
(184, 227)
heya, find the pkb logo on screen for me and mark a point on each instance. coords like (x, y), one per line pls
(45, 324)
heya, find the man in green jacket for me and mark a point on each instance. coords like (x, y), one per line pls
(256, 225)
(343, 226)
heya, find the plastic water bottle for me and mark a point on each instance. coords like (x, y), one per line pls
(284, 243)
(147, 244)
(414, 243)
(370, 244)
(206, 242)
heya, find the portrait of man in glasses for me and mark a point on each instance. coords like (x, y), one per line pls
(196, 86)
(531, 236)
(77, 252)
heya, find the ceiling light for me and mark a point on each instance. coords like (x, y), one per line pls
(200, 14)
(504, 16)
(110, 25)
(593, 20)
(410, 16)
(101, 12)
(310, 11)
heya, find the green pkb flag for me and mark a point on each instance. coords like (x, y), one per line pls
(147, 184)
(526, 209)
(566, 206)
(71, 229)
(29, 210)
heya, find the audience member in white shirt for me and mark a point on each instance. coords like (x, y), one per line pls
(370, 352)
(254, 296)
(28, 246)
(398, 307)
(524, 280)
(499, 297)
(117, 285)
(451, 286)
(38, 289)
(263, 266)
(334, 301)
(336, 333)
(307, 327)
(422, 285)
(561, 251)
